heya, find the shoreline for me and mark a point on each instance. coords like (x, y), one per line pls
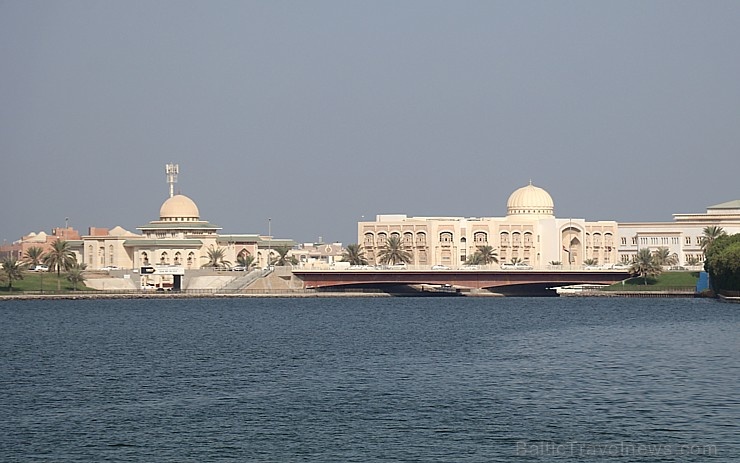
(328, 294)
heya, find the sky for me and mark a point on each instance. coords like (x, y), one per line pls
(304, 117)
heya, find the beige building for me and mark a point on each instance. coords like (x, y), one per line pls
(682, 237)
(178, 239)
(530, 232)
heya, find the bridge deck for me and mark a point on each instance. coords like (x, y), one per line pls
(479, 279)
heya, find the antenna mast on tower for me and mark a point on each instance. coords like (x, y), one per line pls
(172, 170)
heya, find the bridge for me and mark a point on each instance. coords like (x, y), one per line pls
(494, 280)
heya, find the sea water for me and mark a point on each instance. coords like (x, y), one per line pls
(370, 380)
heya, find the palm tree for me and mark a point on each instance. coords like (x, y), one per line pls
(245, 260)
(693, 261)
(34, 255)
(662, 256)
(710, 234)
(11, 270)
(393, 252)
(216, 258)
(643, 264)
(354, 254)
(283, 259)
(474, 259)
(484, 255)
(59, 258)
(488, 255)
(591, 262)
(75, 276)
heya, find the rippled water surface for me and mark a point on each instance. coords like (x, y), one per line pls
(362, 380)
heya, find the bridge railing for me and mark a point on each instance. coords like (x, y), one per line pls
(460, 268)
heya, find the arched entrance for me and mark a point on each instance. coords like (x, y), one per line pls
(572, 244)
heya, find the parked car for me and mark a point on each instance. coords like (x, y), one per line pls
(621, 266)
(39, 268)
(110, 267)
(238, 268)
(440, 267)
(517, 266)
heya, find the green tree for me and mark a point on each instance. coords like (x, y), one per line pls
(474, 259)
(245, 260)
(393, 252)
(662, 256)
(34, 255)
(282, 258)
(591, 262)
(484, 255)
(75, 275)
(723, 263)
(709, 235)
(643, 264)
(693, 261)
(354, 254)
(216, 258)
(12, 270)
(59, 258)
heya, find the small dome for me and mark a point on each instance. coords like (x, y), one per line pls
(530, 200)
(177, 208)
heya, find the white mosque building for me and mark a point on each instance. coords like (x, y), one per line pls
(180, 238)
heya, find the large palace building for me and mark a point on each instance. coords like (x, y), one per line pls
(531, 233)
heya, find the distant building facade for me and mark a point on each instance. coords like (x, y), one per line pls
(529, 233)
(178, 238)
(682, 237)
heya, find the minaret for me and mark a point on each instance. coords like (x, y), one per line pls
(172, 170)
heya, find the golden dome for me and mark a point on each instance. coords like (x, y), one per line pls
(530, 200)
(179, 208)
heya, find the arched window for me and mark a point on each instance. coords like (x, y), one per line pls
(382, 238)
(110, 254)
(164, 258)
(90, 258)
(480, 238)
(145, 258)
(504, 236)
(527, 239)
(421, 238)
(408, 239)
(445, 237)
(177, 258)
(516, 239)
(369, 239)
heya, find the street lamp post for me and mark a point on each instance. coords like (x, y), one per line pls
(269, 241)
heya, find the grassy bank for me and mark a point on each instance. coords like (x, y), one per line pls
(42, 281)
(666, 281)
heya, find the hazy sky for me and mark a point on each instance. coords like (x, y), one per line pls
(317, 113)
